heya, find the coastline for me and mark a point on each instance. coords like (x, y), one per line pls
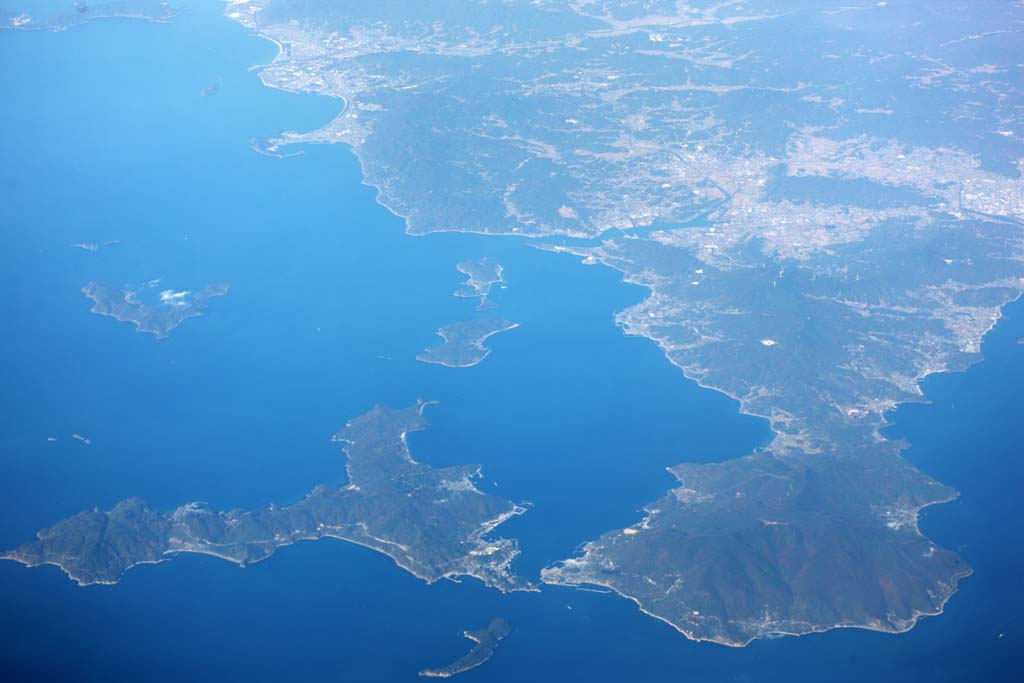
(169, 554)
(537, 242)
(744, 408)
(473, 555)
(814, 629)
(911, 622)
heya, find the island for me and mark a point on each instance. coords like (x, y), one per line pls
(463, 344)
(158, 318)
(481, 276)
(93, 247)
(211, 89)
(486, 640)
(818, 224)
(433, 522)
(82, 13)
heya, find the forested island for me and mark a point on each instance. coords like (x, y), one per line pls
(485, 639)
(433, 522)
(481, 276)
(158, 318)
(463, 344)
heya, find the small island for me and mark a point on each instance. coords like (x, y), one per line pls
(82, 13)
(486, 640)
(158, 318)
(211, 89)
(433, 522)
(463, 344)
(481, 275)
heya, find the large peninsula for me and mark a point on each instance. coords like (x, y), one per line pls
(820, 223)
(433, 522)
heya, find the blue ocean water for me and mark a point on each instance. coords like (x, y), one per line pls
(105, 136)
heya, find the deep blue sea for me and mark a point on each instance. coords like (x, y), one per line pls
(104, 136)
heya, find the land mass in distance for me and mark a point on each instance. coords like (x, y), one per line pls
(83, 13)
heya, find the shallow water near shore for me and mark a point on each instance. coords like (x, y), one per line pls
(330, 302)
